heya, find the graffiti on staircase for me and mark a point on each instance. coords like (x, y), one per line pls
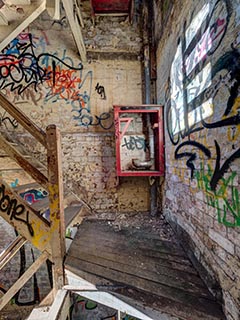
(37, 287)
(15, 210)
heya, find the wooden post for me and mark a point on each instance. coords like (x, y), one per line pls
(23, 279)
(75, 27)
(56, 207)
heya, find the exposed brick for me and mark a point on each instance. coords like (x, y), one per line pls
(230, 306)
(221, 241)
(217, 244)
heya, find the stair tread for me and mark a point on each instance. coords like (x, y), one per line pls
(71, 212)
(26, 187)
(41, 205)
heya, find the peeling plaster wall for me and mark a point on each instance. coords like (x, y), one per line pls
(198, 67)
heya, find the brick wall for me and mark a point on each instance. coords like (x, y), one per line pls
(79, 99)
(198, 65)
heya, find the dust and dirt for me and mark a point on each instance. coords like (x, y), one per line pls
(138, 220)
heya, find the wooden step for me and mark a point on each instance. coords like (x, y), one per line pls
(41, 206)
(70, 213)
(25, 164)
(26, 187)
(23, 152)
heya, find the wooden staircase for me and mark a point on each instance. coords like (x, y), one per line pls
(45, 232)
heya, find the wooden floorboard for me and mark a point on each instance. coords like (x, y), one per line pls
(166, 258)
(172, 280)
(132, 259)
(122, 244)
(162, 264)
(108, 236)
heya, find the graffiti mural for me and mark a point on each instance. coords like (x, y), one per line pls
(200, 89)
(215, 197)
(29, 73)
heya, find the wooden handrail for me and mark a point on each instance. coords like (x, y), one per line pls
(17, 114)
(25, 164)
(8, 253)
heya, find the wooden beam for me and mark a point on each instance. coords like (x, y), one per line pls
(56, 206)
(48, 300)
(25, 164)
(22, 217)
(78, 12)
(53, 8)
(59, 310)
(23, 279)
(75, 27)
(8, 253)
(17, 23)
(111, 301)
(64, 313)
(57, 305)
(27, 123)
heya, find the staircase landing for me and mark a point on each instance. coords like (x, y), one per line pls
(151, 274)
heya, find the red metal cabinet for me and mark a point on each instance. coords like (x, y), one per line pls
(111, 6)
(139, 140)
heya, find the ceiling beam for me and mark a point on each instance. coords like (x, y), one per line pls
(53, 8)
(71, 13)
(18, 22)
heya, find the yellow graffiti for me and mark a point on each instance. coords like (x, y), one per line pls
(234, 132)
